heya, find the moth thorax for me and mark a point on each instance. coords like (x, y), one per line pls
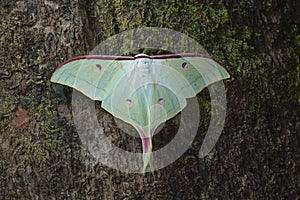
(144, 66)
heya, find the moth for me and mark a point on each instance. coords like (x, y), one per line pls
(141, 90)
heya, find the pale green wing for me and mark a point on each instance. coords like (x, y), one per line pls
(196, 73)
(146, 106)
(94, 77)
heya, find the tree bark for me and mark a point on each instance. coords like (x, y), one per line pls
(41, 156)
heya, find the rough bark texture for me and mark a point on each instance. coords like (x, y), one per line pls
(258, 154)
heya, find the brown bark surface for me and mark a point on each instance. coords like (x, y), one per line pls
(41, 156)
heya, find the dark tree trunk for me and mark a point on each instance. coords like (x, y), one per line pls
(258, 154)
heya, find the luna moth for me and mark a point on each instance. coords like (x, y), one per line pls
(143, 90)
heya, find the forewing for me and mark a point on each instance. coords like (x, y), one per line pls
(94, 77)
(197, 72)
